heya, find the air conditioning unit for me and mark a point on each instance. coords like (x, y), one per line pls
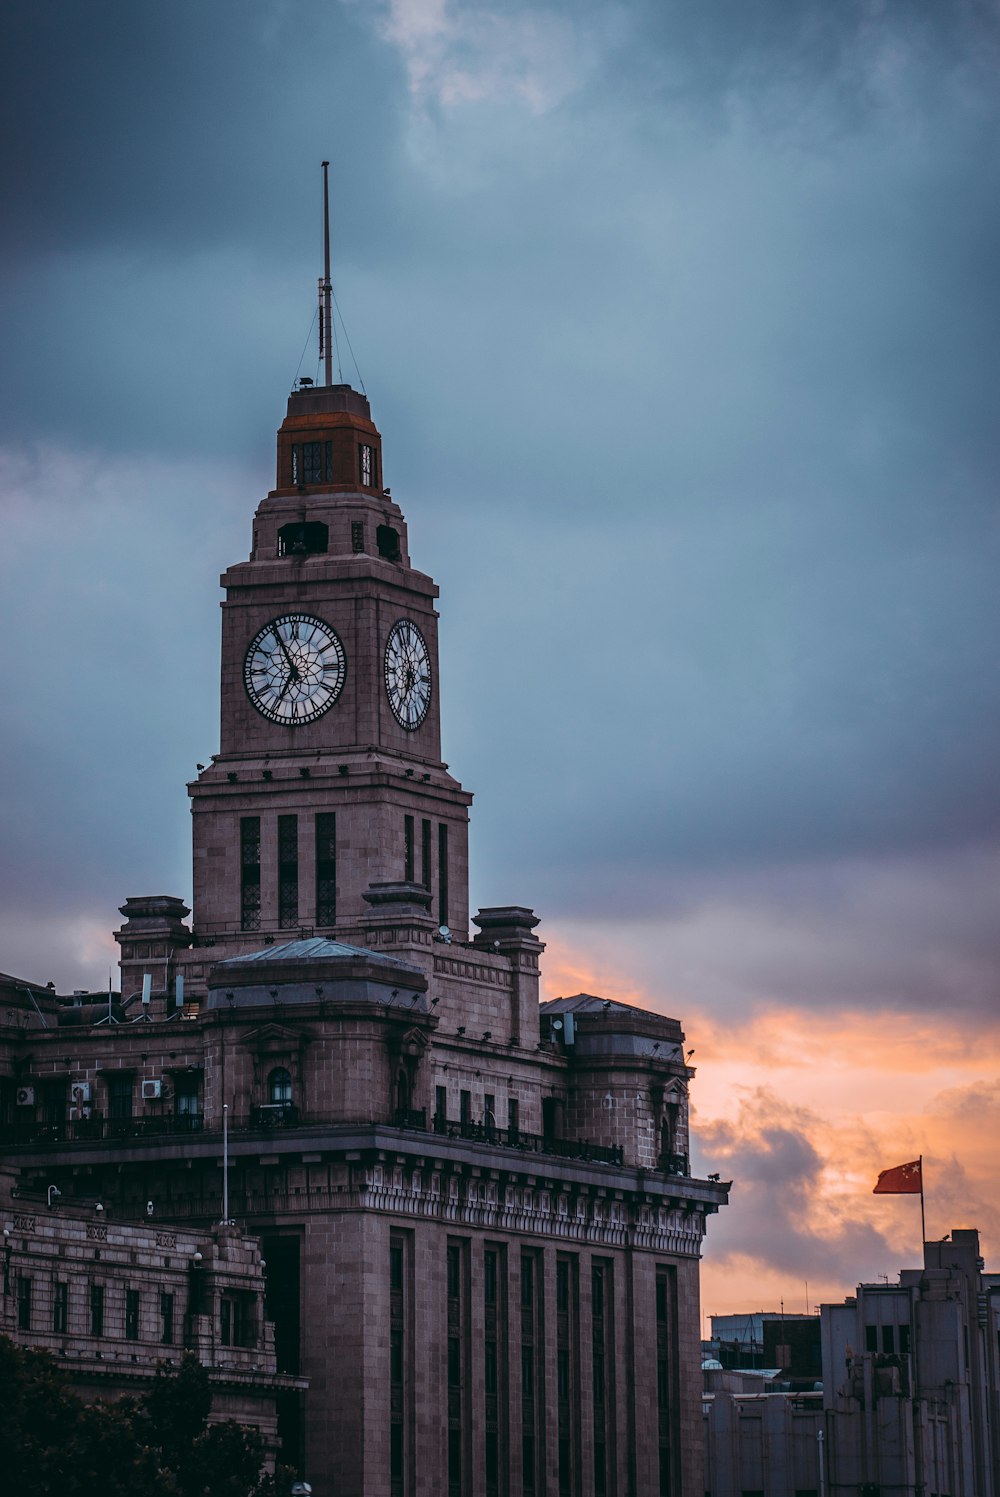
(79, 1092)
(25, 1096)
(151, 1091)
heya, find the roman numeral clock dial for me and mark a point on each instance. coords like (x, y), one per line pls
(407, 674)
(294, 669)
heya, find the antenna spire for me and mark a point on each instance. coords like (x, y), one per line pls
(326, 287)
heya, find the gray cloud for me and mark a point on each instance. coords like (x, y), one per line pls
(681, 324)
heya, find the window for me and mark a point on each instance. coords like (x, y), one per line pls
(408, 867)
(441, 1104)
(442, 873)
(871, 1338)
(120, 1095)
(904, 1339)
(513, 1114)
(465, 1107)
(23, 1303)
(889, 1339)
(357, 537)
(235, 1320)
(303, 538)
(131, 1315)
(97, 1309)
(490, 1110)
(387, 541)
(326, 868)
(425, 854)
(367, 466)
(312, 462)
(288, 872)
(186, 1097)
(397, 1364)
(250, 873)
(166, 1319)
(279, 1087)
(60, 1308)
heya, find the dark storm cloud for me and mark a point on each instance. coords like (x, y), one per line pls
(681, 324)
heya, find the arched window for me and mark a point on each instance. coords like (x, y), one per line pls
(279, 1087)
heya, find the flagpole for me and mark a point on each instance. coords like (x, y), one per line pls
(923, 1222)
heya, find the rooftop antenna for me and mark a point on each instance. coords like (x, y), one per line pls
(326, 287)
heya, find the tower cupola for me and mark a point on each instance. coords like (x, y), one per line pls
(328, 441)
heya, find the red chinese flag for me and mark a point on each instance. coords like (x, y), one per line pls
(903, 1180)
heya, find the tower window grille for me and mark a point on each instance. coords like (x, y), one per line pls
(250, 873)
(288, 872)
(326, 868)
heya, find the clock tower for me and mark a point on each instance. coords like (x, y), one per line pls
(329, 777)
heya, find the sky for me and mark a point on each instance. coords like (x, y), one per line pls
(680, 320)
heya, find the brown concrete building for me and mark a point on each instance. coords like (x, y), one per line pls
(481, 1231)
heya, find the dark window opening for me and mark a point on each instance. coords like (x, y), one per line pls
(425, 854)
(60, 1308)
(131, 1315)
(904, 1339)
(387, 540)
(408, 864)
(119, 1095)
(166, 1319)
(288, 872)
(303, 538)
(23, 1303)
(97, 1309)
(513, 1114)
(442, 873)
(282, 1299)
(357, 537)
(889, 1339)
(871, 1338)
(550, 1117)
(250, 873)
(326, 868)
(465, 1106)
(441, 1104)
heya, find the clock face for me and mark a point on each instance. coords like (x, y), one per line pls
(295, 669)
(407, 674)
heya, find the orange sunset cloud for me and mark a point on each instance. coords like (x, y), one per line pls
(801, 1109)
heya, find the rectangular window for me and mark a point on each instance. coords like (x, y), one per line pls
(398, 1389)
(667, 1410)
(489, 1110)
(167, 1319)
(904, 1339)
(532, 1377)
(871, 1338)
(465, 1107)
(326, 868)
(367, 466)
(120, 1095)
(495, 1399)
(457, 1391)
(357, 537)
(889, 1339)
(131, 1315)
(186, 1097)
(442, 873)
(315, 462)
(23, 1303)
(97, 1309)
(408, 863)
(567, 1393)
(513, 1115)
(288, 872)
(440, 1104)
(60, 1308)
(602, 1338)
(250, 873)
(425, 854)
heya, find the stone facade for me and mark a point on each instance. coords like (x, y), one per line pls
(114, 1300)
(481, 1231)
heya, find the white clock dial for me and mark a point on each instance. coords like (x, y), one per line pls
(294, 669)
(407, 674)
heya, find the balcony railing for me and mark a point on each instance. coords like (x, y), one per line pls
(96, 1129)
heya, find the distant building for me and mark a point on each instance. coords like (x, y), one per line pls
(480, 1226)
(910, 1395)
(112, 1301)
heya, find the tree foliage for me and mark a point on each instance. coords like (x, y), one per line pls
(159, 1445)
